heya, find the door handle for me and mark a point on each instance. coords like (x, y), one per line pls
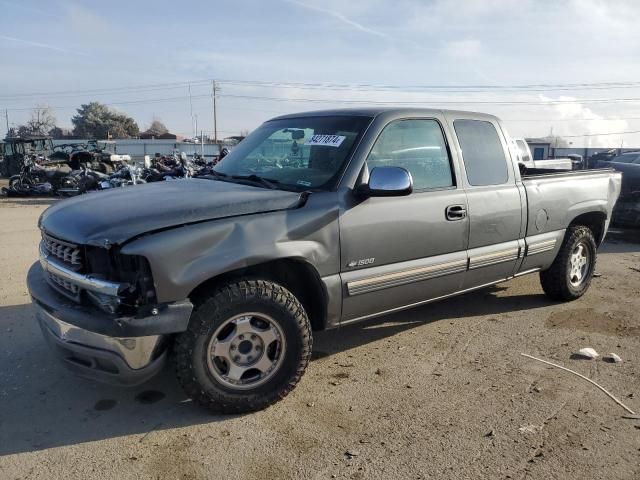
(455, 212)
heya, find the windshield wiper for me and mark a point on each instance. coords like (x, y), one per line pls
(267, 182)
(213, 175)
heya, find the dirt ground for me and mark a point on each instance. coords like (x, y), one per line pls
(436, 392)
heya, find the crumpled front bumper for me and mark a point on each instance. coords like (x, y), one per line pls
(103, 347)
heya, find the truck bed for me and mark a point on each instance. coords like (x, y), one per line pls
(555, 198)
(546, 172)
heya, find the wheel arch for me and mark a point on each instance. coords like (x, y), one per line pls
(296, 275)
(596, 221)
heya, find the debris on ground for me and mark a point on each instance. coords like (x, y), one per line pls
(585, 353)
(610, 395)
(526, 429)
(611, 358)
(351, 453)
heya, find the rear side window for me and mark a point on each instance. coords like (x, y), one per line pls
(418, 146)
(482, 152)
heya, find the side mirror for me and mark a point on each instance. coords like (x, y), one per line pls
(387, 182)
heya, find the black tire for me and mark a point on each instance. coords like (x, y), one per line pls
(15, 182)
(19, 184)
(191, 354)
(558, 282)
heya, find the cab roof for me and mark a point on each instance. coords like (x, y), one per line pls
(374, 111)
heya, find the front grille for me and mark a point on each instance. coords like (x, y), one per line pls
(65, 284)
(68, 253)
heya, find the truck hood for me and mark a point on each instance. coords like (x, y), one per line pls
(115, 216)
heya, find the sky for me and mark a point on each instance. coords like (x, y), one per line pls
(543, 66)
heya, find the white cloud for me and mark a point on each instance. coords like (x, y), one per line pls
(463, 48)
(90, 26)
(584, 121)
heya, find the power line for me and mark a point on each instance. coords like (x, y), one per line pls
(476, 88)
(438, 102)
(101, 91)
(443, 88)
(370, 102)
(549, 120)
(599, 134)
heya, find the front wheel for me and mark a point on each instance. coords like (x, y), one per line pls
(246, 347)
(15, 182)
(570, 274)
(19, 183)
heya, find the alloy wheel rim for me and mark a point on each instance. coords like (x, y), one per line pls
(579, 264)
(246, 351)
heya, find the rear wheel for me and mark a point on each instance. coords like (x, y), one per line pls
(570, 274)
(246, 347)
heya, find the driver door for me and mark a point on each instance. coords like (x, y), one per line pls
(401, 251)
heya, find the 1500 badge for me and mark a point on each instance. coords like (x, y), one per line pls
(361, 263)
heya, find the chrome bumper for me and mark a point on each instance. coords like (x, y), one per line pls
(137, 352)
(115, 360)
(84, 282)
(125, 350)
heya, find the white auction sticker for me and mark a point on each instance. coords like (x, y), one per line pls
(326, 140)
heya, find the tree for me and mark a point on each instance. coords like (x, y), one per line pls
(59, 133)
(156, 129)
(40, 123)
(96, 120)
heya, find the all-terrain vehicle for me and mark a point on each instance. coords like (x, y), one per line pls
(16, 149)
(98, 155)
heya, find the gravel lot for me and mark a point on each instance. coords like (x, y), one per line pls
(436, 392)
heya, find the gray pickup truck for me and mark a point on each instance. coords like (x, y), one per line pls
(314, 221)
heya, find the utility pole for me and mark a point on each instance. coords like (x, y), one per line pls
(193, 125)
(6, 116)
(214, 89)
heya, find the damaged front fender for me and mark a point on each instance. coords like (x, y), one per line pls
(183, 258)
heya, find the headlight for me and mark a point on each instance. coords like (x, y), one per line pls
(132, 270)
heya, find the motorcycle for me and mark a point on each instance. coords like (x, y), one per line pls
(168, 168)
(87, 180)
(35, 179)
(124, 176)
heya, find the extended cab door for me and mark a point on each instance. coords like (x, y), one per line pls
(400, 251)
(495, 201)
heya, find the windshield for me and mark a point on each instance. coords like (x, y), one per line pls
(301, 153)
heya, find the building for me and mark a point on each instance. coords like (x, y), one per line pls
(162, 136)
(540, 148)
